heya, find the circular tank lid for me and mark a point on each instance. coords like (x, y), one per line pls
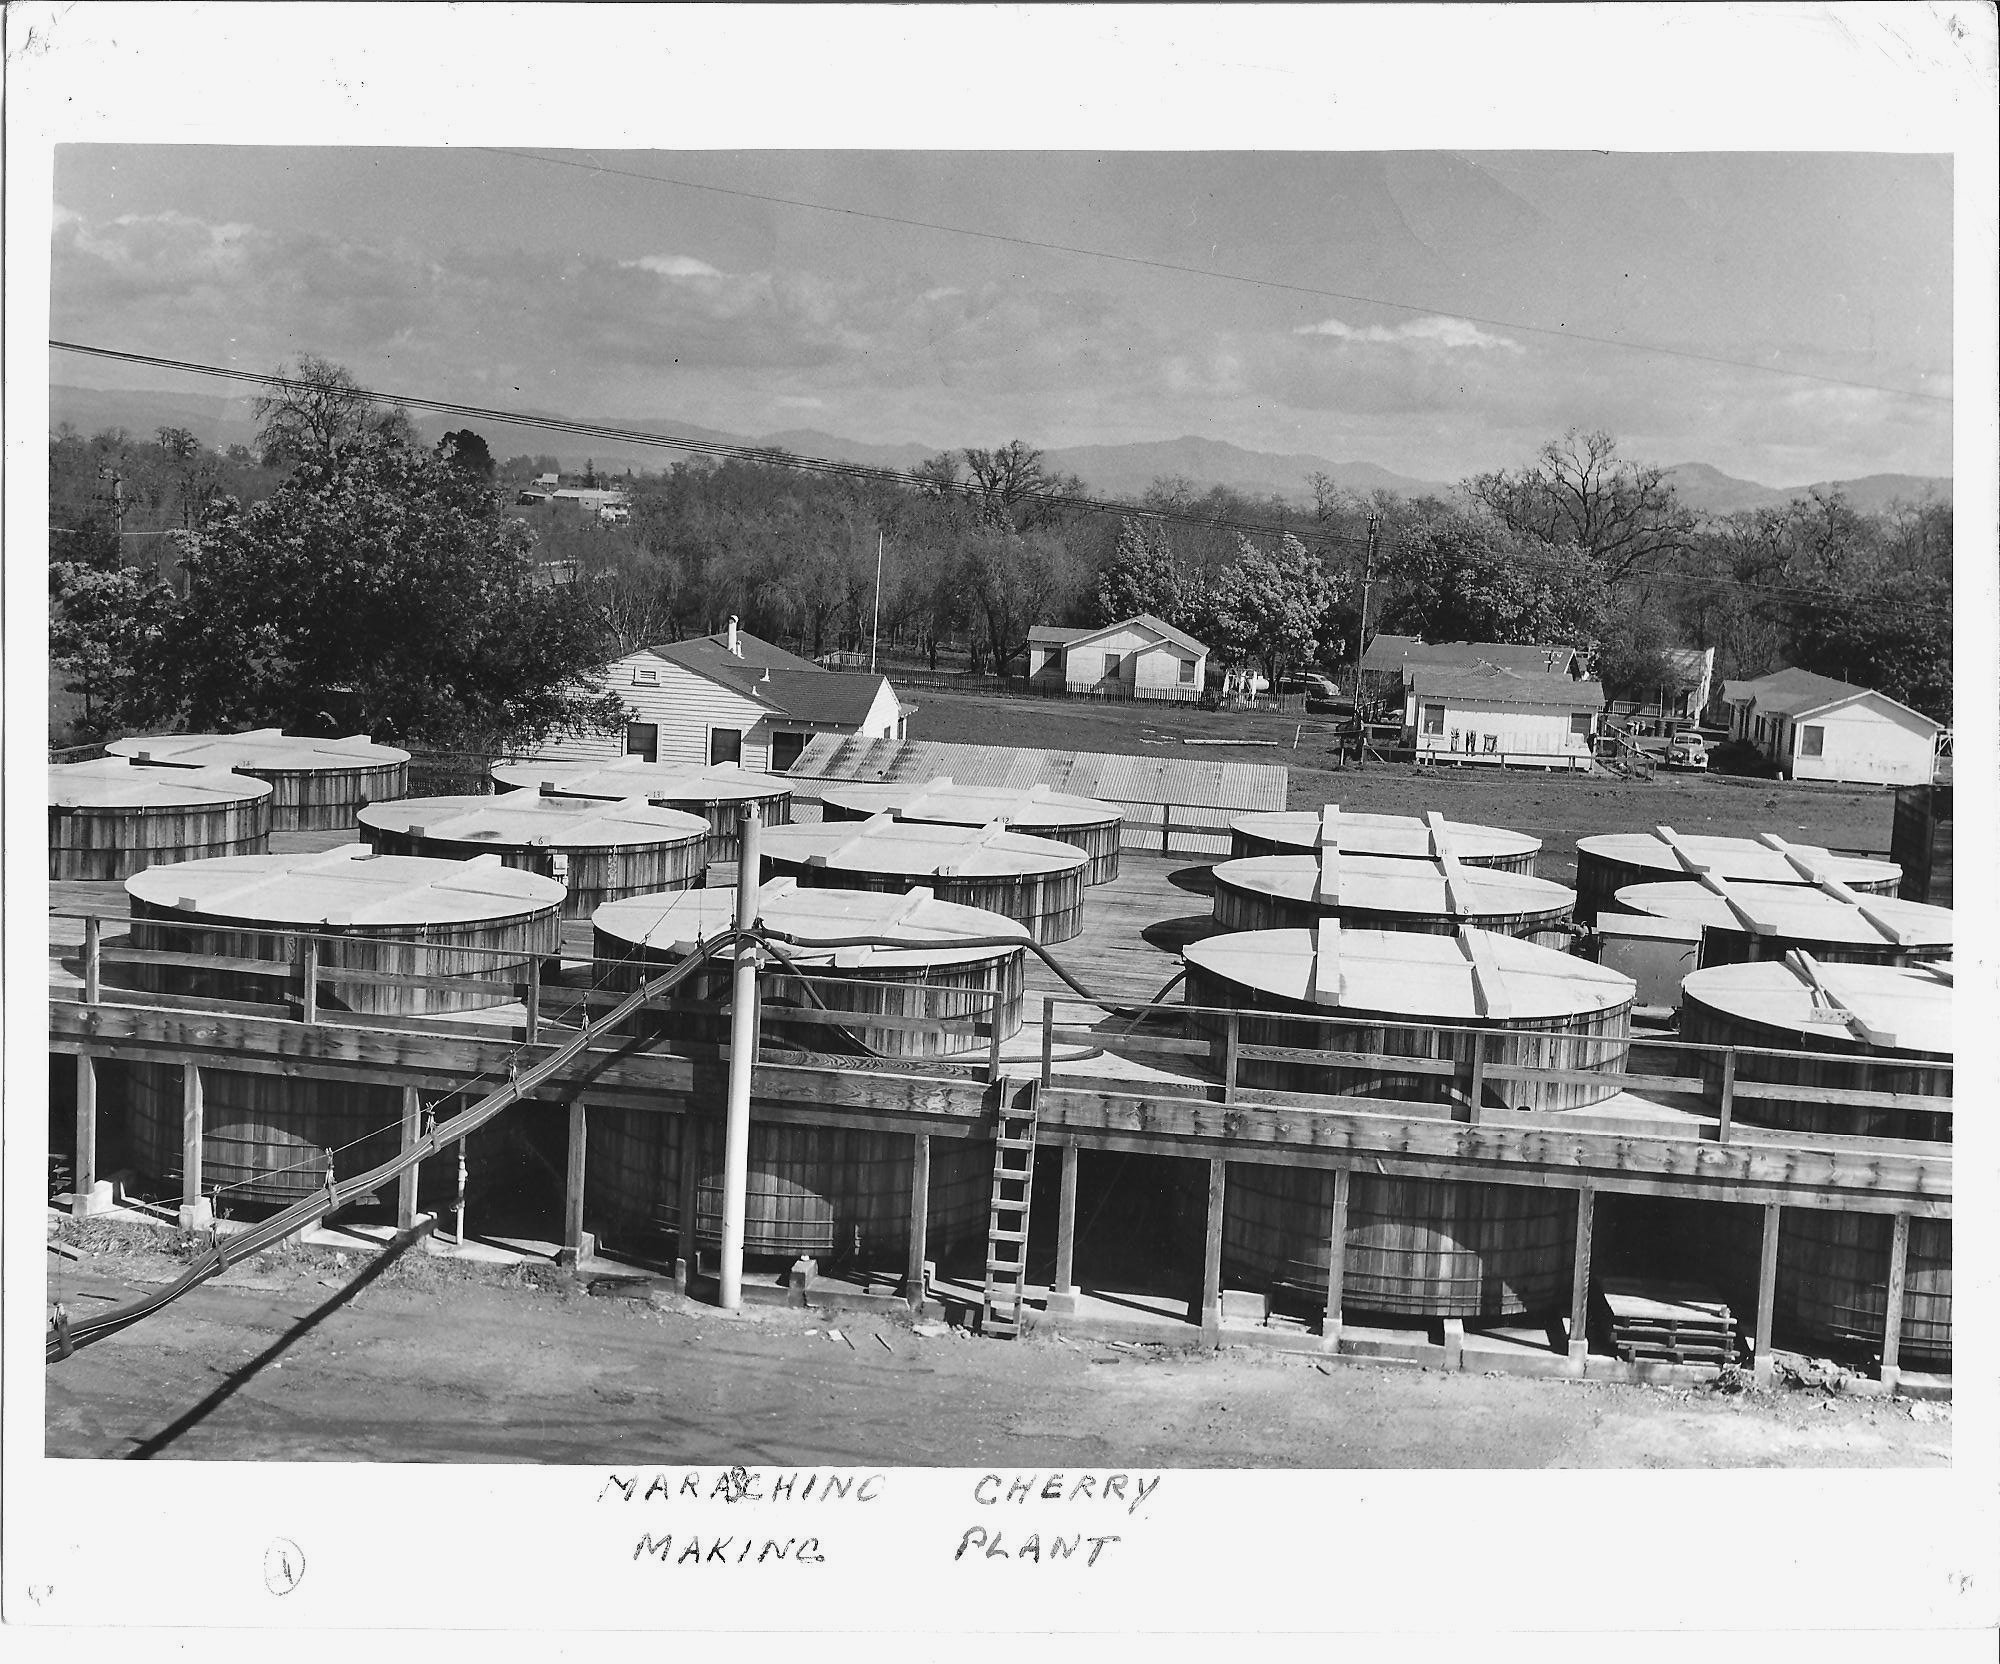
(1767, 859)
(932, 928)
(946, 802)
(350, 885)
(1435, 888)
(527, 819)
(1393, 835)
(259, 748)
(882, 845)
(622, 777)
(1904, 1008)
(122, 783)
(1472, 976)
(1794, 912)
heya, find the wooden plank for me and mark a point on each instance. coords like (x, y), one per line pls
(920, 1210)
(1065, 1282)
(85, 1175)
(1579, 1294)
(1892, 1313)
(309, 982)
(406, 1181)
(93, 961)
(573, 1180)
(1211, 1252)
(1336, 1259)
(191, 1133)
(1767, 1287)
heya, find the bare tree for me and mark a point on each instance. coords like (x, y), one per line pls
(317, 409)
(1580, 491)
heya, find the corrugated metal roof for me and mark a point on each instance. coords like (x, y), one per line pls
(1107, 776)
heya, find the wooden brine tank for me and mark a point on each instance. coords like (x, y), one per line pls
(1091, 826)
(1873, 1028)
(715, 793)
(316, 785)
(1297, 832)
(268, 1139)
(1835, 924)
(1374, 892)
(839, 1194)
(1035, 881)
(112, 817)
(1605, 865)
(1415, 1247)
(599, 851)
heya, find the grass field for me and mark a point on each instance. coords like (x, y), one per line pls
(1557, 808)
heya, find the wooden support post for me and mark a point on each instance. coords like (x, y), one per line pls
(93, 960)
(1767, 1287)
(1062, 1295)
(1727, 1104)
(686, 1252)
(195, 1212)
(1211, 1253)
(406, 1181)
(1166, 826)
(1048, 1039)
(920, 1218)
(1230, 1040)
(1336, 1262)
(993, 1040)
(1892, 1312)
(83, 1181)
(1579, 1288)
(1475, 1080)
(309, 980)
(532, 1028)
(575, 1245)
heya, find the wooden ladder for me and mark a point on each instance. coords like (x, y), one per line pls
(1007, 1221)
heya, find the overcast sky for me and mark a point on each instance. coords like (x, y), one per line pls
(1419, 310)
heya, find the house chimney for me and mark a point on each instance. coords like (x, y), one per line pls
(735, 647)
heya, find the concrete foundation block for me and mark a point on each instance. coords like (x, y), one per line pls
(197, 1216)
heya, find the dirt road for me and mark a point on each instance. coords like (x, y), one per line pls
(298, 1358)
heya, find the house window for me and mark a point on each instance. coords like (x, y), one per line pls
(1581, 722)
(642, 739)
(1812, 740)
(1433, 719)
(785, 749)
(644, 678)
(1113, 662)
(725, 745)
(1187, 673)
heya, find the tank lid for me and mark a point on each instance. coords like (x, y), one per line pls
(1471, 976)
(348, 885)
(1434, 887)
(944, 801)
(523, 817)
(623, 777)
(120, 782)
(1402, 836)
(1794, 912)
(934, 930)
(1730, 858)
(883, 845)
(1900, 1008)
(261, 748)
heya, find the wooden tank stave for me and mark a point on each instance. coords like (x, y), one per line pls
(1833, 1284)
(104, 845)
(1600, 876)
(1414, 1247)
(1240, 908)
(839, 1194)
(595, 876)
(1245, 843)
(1100, 841)
(1048, 904)
(327, 800)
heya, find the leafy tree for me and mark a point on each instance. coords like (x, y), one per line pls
(1271, 607)
(381, 582)
(105, 626)
(1012, 580)
(465, 449)
(1579, 491)
(1143, 576)
(1455, 578)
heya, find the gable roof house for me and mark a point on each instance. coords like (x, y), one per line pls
(1488, 713)
(732, 698)
(1142, 657)
(1814, 727)
(1389, 659)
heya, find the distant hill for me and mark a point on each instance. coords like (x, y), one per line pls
(1119, 471)
(1708, 490)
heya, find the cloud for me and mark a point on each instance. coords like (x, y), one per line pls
(1446, 333)
(672, 265)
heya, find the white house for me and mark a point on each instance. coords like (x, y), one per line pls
(1142, 658)
(732, 698)
(1815, 728)
(1487, 713)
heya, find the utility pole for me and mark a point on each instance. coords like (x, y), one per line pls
(742, 1061)
(1361, 633)
(875, 634)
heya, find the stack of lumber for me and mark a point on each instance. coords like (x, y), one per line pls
(1680, 1323)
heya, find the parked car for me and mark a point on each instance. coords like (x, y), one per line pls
(1687, 749)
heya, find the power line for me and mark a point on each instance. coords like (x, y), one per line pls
(1553, 333)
